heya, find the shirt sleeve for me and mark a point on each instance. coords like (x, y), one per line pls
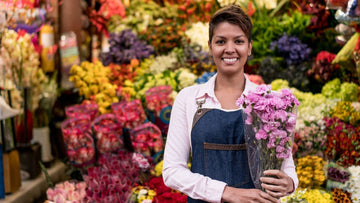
(176, 173)
(288, 167)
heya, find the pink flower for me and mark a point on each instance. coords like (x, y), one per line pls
(261, 134)
(50, 193)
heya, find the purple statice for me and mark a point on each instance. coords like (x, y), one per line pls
(205, 77)
(291, 49)
(125, 46)
(338, 175)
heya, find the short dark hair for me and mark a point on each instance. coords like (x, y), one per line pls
(233, 14)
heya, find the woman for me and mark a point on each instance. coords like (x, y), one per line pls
(206, 122)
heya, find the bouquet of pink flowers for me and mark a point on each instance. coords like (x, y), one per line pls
(270, 125)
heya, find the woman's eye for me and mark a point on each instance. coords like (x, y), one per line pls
(239, 41)
(220, 42)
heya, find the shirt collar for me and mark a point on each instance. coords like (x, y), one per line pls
(208, 88)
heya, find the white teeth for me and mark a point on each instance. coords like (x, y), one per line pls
(230, 60)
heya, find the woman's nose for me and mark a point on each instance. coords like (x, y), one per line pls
(230, 48)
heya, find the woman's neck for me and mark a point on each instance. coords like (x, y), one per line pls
(229, 89)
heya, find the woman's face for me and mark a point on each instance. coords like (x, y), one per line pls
(229, 48)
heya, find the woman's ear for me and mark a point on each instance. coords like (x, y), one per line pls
(250, 48)
(209, 45)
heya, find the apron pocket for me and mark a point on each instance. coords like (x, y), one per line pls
(228, 163)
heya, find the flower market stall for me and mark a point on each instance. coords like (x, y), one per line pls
(143, 52)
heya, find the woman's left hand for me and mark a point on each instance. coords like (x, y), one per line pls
(277, 187)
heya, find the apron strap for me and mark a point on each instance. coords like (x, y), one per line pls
(200, 111)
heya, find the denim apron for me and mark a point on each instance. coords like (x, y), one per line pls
(218, 147)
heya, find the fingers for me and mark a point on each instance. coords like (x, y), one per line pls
(267, 197)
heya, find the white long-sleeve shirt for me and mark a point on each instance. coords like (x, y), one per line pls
(176, 173)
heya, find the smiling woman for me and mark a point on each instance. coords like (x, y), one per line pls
(206, 123)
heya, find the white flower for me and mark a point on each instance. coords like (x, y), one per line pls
(162, 63)
(186, 78)
(198, 34)
(353, 183)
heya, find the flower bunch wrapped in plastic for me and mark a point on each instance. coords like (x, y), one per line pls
(310, 170)
(112, 179)
(75, 110)
(147, 139)
(270, 124)
(132, 113)
(108, 133)
(158, 106)
(337, 176)
(79, 143)
(67, 192)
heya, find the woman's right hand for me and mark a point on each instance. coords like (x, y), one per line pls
(236, 195)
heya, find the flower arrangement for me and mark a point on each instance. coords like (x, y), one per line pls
(291, 49)
(92, 80)
(141, 194)
(196, 34)
(75, 110)
(312, 105)
(124, 47)
(310, 170)
(112, 179)
(22, 65)
(108, 133)
(322, 70)
(79, 143)
(308, 195)
(340, 196)
(271, 117)
(310, 140)
(343, 134)
(142, 14)
(162, 63)
(132, 113)
(353, 183)
(164, 193)
(337, 177)
(120, 73)
(345, 91)
(172, 35)
(67, 191)
(147, 139)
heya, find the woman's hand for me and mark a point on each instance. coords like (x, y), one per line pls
(236, 195)
(277, 187)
